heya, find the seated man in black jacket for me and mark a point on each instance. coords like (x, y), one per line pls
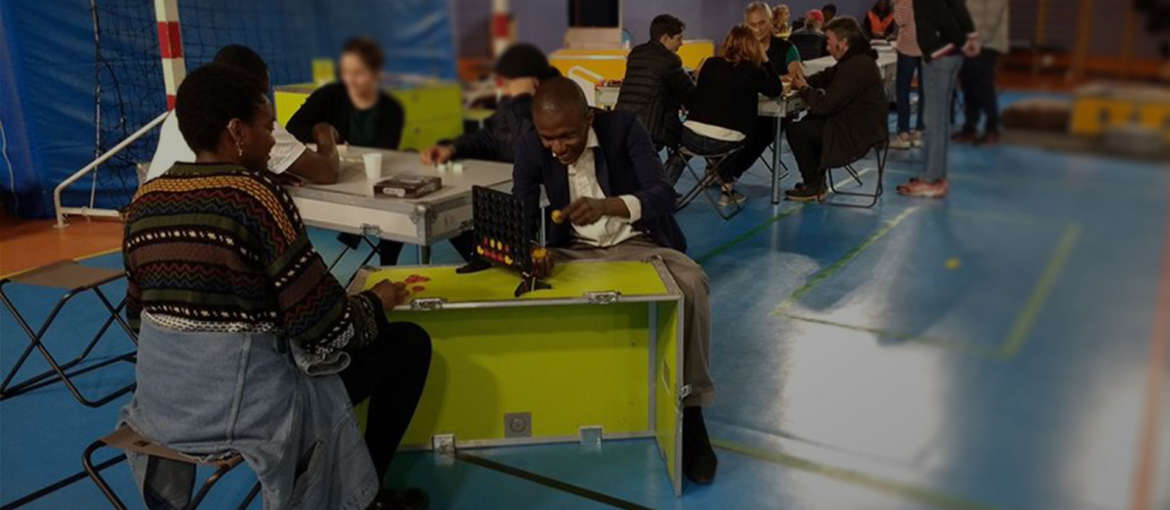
(846, 110)
(655, 85)
(518, 72)
(601, 171)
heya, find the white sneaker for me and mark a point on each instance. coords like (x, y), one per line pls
(917, 139)
(901, 142)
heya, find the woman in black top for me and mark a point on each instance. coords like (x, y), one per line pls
(361, 113)
(723, 107)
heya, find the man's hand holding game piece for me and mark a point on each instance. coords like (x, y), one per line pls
(437, 154)
(587, 211)
(390, 293)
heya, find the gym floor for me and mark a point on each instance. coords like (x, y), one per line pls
(996, 350)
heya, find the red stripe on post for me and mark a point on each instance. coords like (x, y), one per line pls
(170, 44)
(500, 25)
(170, 102)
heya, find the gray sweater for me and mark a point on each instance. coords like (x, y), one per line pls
(991, 21)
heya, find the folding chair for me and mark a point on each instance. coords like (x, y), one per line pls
(708, 180)
(127, 440)
(75, 279)
(880, 150)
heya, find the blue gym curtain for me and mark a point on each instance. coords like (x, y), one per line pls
(47, 74)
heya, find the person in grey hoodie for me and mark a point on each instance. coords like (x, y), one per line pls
(977, 77)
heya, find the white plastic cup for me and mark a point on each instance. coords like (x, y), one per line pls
(373, 161)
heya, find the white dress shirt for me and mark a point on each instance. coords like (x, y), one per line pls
(609, 230)
(172, 148)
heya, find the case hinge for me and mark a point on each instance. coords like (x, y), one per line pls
(427, 304)
(371, 230)
(608, 297)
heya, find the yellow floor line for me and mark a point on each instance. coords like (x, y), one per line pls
(1027, 317)
(825, 273)
(919, 494)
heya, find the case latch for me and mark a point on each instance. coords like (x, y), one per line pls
(608, 297)
(371, 230)
(427, 304)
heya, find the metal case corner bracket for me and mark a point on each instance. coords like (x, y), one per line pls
(591, 435)
(443, 444)
(371, 230)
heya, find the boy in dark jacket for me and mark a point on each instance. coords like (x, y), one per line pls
(519, 71)
(847, 110)
(655, 85)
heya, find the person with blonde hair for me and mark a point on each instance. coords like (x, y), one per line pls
(781, 21)
(784, 60)
(723, 107)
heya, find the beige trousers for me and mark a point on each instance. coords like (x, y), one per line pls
(696, 308)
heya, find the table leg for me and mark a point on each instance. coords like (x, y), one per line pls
(776, 175)
(424, 255)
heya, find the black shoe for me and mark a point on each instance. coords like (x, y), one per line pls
(699, 461)
(409, 499)
(807, 194)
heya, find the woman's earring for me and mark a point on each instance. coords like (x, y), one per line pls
(239, 149)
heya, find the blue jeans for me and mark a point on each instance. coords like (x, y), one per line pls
(939, 76)
(907, 66)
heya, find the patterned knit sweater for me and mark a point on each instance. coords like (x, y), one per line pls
(219, 248)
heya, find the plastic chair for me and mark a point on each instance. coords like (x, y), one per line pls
(126, 439)
(881, 150)
(75, 279)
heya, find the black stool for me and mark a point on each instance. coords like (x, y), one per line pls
(708, 180)
(880, 150)
(75, 279)
(126, 439)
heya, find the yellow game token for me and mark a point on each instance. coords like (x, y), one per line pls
(952, 263)
(558, 216)
(539, 253)
(508, 260)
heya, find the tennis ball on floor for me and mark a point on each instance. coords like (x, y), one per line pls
(952, 263)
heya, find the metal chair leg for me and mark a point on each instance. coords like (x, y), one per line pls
(95, 474)
(880, 152)
(60, 371)
(251, 496)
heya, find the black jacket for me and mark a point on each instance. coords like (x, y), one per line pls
(331, 104)
(809, 43)
(512, 118)
(942, 25)
(654, 87)
(851, 98)
(778, 53)
(626, 164)
(727, 93)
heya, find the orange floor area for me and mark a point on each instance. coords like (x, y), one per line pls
(25, 244)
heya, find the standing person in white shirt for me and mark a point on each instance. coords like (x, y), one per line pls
(602, 172)
(287, 155)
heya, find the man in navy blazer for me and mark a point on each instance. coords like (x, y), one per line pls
(610, 200)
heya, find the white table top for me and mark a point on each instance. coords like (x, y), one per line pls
(353, 183)
(886, 61)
